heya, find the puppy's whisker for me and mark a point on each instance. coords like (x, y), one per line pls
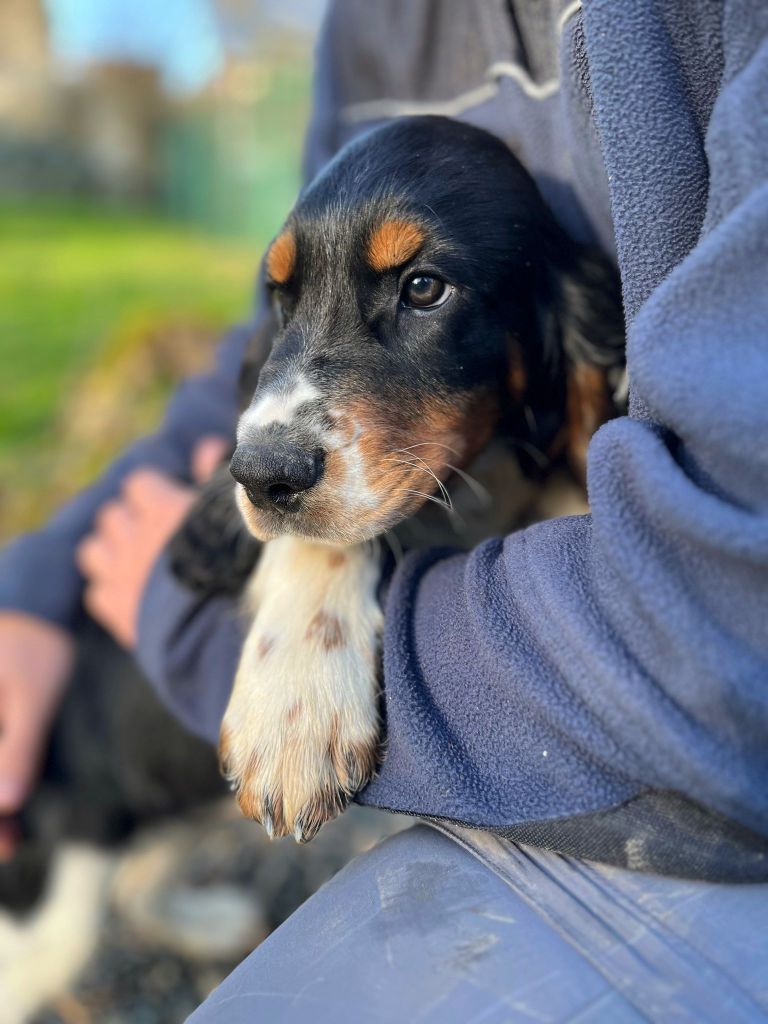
(427, 469)
(423, 468)
(427, 497)
(404, 462)
(430, 444)
(457, 520)
(482, 494)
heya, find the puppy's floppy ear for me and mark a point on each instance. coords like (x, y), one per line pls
(576, 377)
(591, 324)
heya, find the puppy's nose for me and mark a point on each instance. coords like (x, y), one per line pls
(274, 475)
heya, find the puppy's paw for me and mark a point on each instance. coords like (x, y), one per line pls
(295, 763)
(300, 736)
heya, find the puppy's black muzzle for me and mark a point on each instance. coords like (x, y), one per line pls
(275, 475)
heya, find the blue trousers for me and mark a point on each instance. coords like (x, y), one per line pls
(458, 927)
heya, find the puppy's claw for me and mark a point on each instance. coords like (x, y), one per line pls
(268, 824)
(309, 824)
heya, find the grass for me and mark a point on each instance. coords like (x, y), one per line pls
(78, 282)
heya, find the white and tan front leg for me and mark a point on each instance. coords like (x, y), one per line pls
(300, 735)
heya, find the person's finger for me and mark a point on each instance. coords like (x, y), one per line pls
(94, 601)
(207, 456)
(144, 488)
(92, 555)
(112, 518)
(107, 608)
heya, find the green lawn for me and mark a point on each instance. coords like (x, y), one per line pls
(81, 286)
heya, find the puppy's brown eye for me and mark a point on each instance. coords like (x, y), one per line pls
(424, 292)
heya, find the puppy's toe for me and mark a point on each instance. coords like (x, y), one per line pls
(296, 779)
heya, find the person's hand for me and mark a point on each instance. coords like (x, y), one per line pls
(128, 535)
(35, 663)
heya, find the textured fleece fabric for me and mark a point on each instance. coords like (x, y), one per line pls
(572, 667)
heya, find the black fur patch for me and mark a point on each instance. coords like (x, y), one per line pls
(212, 553)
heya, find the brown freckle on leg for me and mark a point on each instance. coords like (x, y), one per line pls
(327, 629)
(393, 243)
(281, 258)
(293, 712)
(264, 646)
(336, 559)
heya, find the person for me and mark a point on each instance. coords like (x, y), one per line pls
(578, 708)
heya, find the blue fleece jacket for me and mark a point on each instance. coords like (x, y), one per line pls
(596, 683)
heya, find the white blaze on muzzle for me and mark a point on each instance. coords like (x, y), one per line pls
(278, 405)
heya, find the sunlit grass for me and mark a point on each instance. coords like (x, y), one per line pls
(73, 279)
(70, 274)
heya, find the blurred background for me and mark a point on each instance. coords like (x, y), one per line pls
(149, 149)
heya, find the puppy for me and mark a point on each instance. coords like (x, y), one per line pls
(428, 310)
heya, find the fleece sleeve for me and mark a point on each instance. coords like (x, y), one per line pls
(583, 662)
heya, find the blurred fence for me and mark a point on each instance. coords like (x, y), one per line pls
(227, 162)
(224, 157)
(232, 166)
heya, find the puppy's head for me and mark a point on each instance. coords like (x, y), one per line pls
(416, 290)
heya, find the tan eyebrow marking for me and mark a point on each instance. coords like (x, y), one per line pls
(393, 243)
(281, 258)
